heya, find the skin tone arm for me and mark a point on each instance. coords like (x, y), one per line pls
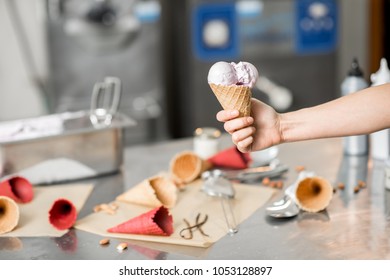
(363, 112)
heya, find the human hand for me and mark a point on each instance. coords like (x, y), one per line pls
(253, 133)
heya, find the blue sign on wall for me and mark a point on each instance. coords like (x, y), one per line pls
(316, 26)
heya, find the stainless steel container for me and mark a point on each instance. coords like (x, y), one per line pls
(61, 147)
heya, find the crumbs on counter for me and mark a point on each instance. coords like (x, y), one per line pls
(104, 241)
(360, 185)
(122, 246)
(272, 183)
(108, 208)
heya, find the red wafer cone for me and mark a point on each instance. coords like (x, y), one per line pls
(17, 188)
(62, 214)
(154, 222)
(231, 158)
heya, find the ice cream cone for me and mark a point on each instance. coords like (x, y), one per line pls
(230, 158)
(313, 194)
(62, 214)
(17, 188)
(9, 214)
(187, 166)
(234, 97)
(155, 222)
(154, 192)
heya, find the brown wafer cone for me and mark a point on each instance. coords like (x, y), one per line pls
(154, 222)
(153, 192)
(313, 194)
(234, 97)
(187, 166)
(9, 214)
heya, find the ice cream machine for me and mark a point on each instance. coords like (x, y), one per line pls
(291, 42)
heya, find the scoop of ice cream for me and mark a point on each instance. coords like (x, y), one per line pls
(224, 73)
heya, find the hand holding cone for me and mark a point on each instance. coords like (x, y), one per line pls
(155, 222)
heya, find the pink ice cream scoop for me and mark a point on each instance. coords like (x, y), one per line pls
(224, 73)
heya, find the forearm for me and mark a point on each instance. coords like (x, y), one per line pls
(359, 113)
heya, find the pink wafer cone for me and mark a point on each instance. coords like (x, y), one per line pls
(62, 214)
(17, 188)
(154, 222)
(231, 158)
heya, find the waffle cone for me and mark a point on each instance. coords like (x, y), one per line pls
(9, 214)
(152, 192)
(234, 97)
(313, 194)
(187, 166)
(62, 214)
(155, 222)
(17, 188)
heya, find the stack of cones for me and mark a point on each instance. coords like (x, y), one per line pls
(234, 97)
(187, 166)
(152, 192)
(155, 222)
(9, 214)
(313, 194)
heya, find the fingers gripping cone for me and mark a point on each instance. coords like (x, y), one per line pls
(313, 194)
(155, 222)
(153, 192)
(9, 214)
(234, 97)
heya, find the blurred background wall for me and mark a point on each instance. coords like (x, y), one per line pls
(53, 51)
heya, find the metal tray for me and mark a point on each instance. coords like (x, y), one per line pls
(62, 147)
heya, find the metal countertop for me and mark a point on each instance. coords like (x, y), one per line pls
(354, 226)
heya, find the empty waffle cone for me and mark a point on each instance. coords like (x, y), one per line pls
(153, 192)
(234, 97)
(313, 194)
(62, 214)
(9, 214)
(187, 166)
(155, 222)
(17, 188)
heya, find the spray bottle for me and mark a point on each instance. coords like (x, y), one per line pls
(380, 141)
(355, 145)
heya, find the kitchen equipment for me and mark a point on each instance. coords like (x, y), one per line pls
(67, 146)
(273, 169)
(286, 207)
(216, 185)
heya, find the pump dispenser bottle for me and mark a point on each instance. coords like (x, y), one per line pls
(355, 145)
(380, 141)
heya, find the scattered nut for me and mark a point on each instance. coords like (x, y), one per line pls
(104, 241)
(279, 184)
(299, 168)
(108, 208)
(356, 189)
(266, 181)
(340, 186)
(122, 246)
(361, 184)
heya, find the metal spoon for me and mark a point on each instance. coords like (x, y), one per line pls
(287, 207)
(216, 185)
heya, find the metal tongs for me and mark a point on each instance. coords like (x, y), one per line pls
(105, 101)
(216, 185)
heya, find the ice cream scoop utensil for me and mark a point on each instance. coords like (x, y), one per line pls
(214, 184)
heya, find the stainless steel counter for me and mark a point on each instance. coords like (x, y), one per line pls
(354, 226)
